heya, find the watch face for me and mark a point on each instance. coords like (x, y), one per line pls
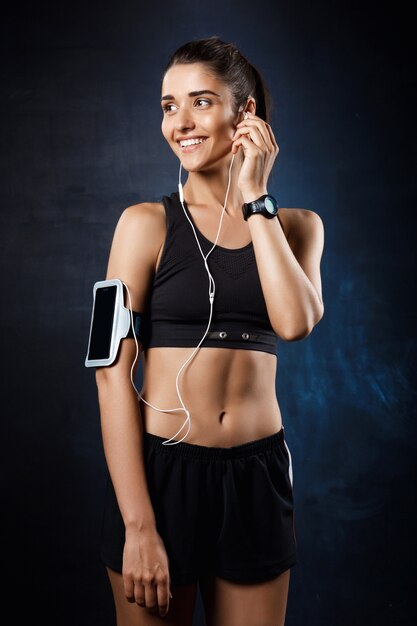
(270, 205)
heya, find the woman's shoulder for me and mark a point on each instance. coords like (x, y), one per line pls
(150, 209)
(295, 220)
(143, 225)
(149, 216)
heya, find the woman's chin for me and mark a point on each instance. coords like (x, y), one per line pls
(206, 165)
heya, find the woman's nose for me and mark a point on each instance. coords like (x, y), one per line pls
(184, 119)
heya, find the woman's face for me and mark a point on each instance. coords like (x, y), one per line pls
(206, 115)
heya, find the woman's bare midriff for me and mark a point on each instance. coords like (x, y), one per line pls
(230, 394)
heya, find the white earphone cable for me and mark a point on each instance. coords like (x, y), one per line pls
(211, 300)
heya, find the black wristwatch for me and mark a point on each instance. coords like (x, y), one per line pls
(265, 205)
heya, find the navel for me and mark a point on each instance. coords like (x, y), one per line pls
(221, 416)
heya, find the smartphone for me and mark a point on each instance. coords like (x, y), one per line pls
(110, 322)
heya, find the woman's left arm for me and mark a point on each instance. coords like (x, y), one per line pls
(289, 271)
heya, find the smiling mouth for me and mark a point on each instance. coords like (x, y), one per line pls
(192, 147)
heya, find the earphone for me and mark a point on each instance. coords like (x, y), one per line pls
(211, 300)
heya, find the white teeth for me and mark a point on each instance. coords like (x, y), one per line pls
(191, 142)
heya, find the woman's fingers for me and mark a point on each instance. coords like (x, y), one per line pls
(257, 136)
(153, 594)
(264, 129)
(129, 586)
(163, 597)
(151, 597)
(260, 128)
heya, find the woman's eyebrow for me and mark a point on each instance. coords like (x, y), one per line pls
(192, 94)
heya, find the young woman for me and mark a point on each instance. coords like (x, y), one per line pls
(215, 506)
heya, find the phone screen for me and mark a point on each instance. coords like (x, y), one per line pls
(103, 315)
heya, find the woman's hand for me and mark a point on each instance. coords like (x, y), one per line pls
(146, 570)
(260, 151)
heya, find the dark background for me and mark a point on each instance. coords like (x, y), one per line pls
(81, 141)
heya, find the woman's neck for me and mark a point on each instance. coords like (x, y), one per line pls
(208, 188)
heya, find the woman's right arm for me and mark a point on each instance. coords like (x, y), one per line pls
(137, 239)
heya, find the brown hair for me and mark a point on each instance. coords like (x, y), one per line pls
(231, 67)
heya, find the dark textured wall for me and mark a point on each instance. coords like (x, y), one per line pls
(80, 141)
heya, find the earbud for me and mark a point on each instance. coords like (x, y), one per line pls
(245, 112)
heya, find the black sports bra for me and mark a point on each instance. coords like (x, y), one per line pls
(178, 308)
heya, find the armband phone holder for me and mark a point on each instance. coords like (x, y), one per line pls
(110, 323)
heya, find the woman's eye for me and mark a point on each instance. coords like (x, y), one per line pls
(166, 106)
(203, 100)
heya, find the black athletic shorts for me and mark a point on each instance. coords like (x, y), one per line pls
(222, 511)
